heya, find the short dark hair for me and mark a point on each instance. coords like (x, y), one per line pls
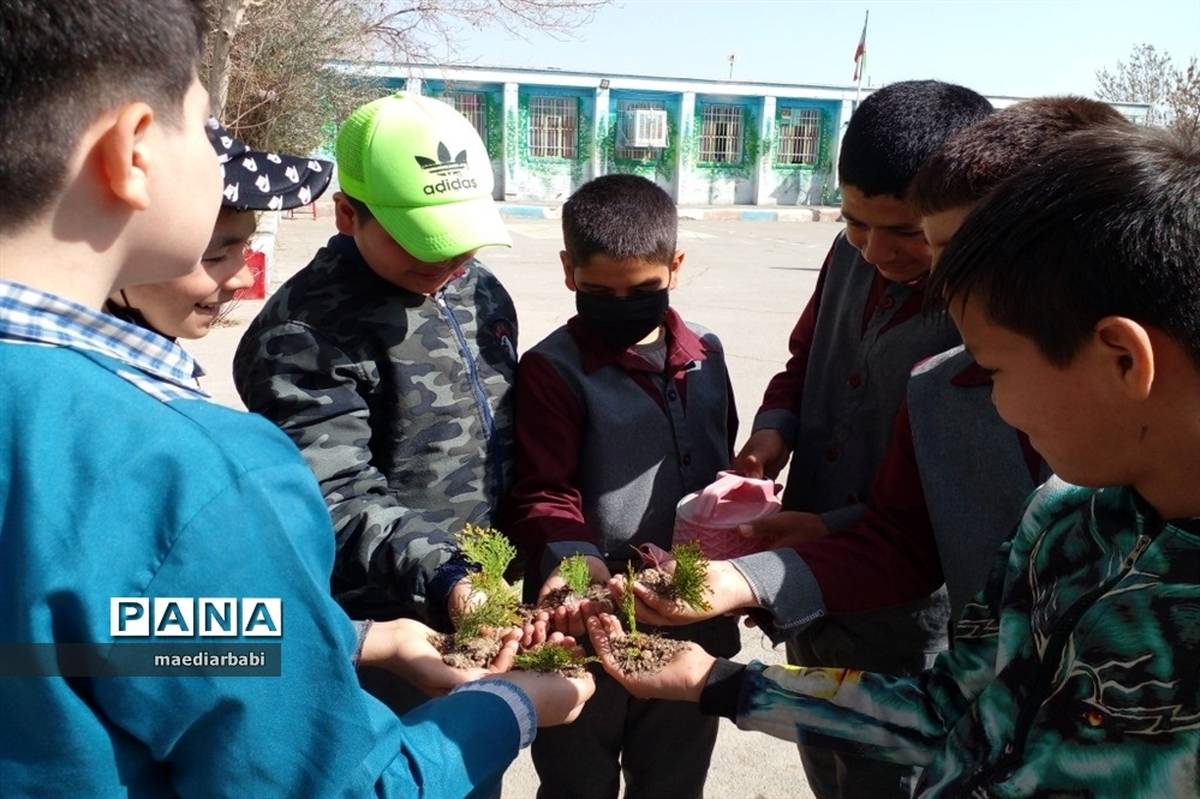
(63, 63)
(1106, 224)
(974, 161)
(897, 127)
(620, 216)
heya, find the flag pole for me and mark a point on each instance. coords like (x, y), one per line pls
(861, 60)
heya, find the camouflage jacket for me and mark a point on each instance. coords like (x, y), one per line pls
(401, 404)
(1076, 673)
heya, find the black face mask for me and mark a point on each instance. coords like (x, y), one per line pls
(623, 321)
(127, 313)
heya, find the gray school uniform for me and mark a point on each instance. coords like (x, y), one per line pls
(974, 473)
(638, 455)
(854, 382)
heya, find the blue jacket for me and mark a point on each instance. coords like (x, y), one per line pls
(111, 488)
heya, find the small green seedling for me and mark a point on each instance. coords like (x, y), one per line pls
(492, 553)
(689, 582)
(576, 574)
(551, 658)
(629, 603)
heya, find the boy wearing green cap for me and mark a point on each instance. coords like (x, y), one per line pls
(389, 359)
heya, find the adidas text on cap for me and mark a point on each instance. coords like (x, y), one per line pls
(424, 173)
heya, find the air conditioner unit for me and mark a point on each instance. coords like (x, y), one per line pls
(644, 127)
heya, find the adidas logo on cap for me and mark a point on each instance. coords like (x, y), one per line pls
(444, 163)
(446, 166)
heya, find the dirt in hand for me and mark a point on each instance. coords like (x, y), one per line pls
(565, 596)
(644, 653)
(476, 653)
(659, 582)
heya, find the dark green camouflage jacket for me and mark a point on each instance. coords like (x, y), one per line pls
(402, 406)
(1075, 674)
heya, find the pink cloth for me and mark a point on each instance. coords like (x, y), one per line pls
(711, 516)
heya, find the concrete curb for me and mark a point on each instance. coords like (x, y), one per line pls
(801, 214)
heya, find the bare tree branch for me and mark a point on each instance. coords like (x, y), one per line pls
(265, 65)
(1146, 78)
(1184, 100)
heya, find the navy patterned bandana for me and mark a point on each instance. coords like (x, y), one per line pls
(259, 181)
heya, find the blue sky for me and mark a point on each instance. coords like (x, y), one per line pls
(1017, 47)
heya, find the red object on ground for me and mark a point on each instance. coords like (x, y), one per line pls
(257, 262)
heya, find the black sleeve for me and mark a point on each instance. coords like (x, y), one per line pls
(723, 689)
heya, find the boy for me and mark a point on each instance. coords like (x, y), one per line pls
(832, 407)
(121, 480)
(955, 477)
(389, 361)
(1074, 673)
(621, 412)
(188, 306)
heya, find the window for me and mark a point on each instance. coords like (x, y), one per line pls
(552, 126)
(799, 136)
(721, 134)
(472, 106)
(625, 111)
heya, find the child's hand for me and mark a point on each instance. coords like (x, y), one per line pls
(463, 597)
(556, 699)
(569, 619)
(764, 455)
(681, 680)
(725, 588)
(786, 528)
(403, 647)
(536, 630)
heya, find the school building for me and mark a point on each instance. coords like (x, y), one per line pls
(705, 142)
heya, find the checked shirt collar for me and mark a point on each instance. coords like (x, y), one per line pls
(35, 317)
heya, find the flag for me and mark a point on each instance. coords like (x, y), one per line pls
(860, 52)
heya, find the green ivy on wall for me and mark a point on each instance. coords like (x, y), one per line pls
(512, 124)
(494, 124)
(660, 168)
(825, 154)
(830, 194)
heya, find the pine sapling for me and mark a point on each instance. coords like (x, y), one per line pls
(576, 574)
(490, 551)
(552, 658)
(689, 583)
(629, 602)
(497, 604)
(638, 652)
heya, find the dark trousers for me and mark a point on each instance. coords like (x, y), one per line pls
(840, 775)
(902, 641)
(662, 748)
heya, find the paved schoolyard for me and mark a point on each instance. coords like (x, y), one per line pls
(746, 281)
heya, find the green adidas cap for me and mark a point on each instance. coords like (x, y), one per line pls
(422, 169)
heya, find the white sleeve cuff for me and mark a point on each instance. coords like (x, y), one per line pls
(518, 702)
